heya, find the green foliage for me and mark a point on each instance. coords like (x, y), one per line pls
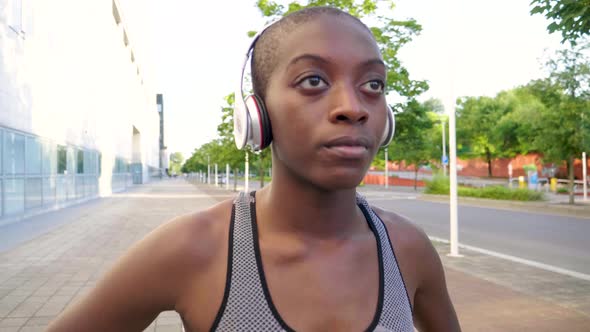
(563, 131)
(570, 17)
(176, 160)
(562, 190)
(440, 185)
(477, 119)
(411, 142)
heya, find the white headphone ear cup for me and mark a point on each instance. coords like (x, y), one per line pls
(242, 123)
(389, 128)
(255, 135)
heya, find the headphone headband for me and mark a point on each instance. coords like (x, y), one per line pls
(242, 120)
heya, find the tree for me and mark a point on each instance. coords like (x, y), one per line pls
(176, 160)
(476, 124)
(563, 130)
(229, 153)
(570, 17)
(515, 131)
(412, 143)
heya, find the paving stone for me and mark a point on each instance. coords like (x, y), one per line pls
(13, 322)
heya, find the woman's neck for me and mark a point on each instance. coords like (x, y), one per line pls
(292, 205)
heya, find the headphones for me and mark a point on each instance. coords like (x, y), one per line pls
(251, 122)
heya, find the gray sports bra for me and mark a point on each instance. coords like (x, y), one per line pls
(247, 305)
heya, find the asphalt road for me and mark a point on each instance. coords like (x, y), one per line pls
(554, 240)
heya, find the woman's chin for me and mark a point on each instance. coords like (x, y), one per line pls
(333, 181)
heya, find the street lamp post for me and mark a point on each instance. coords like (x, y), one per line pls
(208, 170)
(444, 148)
(216, 182)
(584, 176)
(226, 176)
(246, 173)
(386, 170)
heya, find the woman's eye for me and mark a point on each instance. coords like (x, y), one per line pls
(374, 86)
(313, 83)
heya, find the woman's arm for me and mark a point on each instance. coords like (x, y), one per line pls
(145, 281)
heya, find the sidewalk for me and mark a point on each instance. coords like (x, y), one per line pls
(40, 277)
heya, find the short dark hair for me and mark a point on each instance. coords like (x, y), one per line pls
(264, 54)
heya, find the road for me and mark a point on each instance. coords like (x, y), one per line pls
(554, 240)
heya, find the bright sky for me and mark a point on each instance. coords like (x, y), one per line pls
(198, 46)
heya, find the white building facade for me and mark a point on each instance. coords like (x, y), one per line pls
(78, 118)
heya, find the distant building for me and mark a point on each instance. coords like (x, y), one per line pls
(164, 162)
(78, 119)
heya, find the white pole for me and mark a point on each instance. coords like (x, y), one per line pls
(216, 181)
(208, 171)
(444, 148)
(453, 174)
(584, 177)
(246, 173)
(226, 176)
(386, 170)
(454, 227)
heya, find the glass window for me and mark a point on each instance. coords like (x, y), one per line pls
(99, 163)
(71, 188)
(79, 187)
(1, 191)
(49, 191)
(62, 159)
(1, 163)
(71, 160)
(80, 161)
(14, 196)
(33, 161)
(49, 159)
(33, 193)
(61, 189)
(89, 162)
(14, 153)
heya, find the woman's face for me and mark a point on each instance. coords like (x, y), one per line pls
(326, 103)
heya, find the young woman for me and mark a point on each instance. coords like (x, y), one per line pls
(306, 252)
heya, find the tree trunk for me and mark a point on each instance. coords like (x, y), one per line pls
(570, 167)
(489, 158)
(235, 179)
(416, 178)
(261, 172)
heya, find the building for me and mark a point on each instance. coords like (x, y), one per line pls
(164, 162)
(78, 118)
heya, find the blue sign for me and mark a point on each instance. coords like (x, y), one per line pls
(445, 160)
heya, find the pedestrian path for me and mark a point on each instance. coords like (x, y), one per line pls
(41, 276)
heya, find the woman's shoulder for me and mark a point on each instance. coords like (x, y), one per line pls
(195, 237)
(402, 231)
(417, 257)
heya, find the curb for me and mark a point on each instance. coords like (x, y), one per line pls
(580, 210)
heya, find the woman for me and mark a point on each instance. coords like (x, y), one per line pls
(306, 252)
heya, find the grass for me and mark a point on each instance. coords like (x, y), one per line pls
(267, 179)
(440, 185)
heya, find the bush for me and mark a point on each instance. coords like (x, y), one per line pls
(562, 190)
(440, 185)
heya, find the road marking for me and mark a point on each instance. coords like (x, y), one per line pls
(536, 264)
(174, 196)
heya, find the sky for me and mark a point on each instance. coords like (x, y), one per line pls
(471, 48)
